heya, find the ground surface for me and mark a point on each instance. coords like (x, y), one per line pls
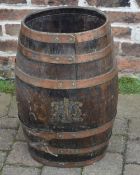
(122, 158)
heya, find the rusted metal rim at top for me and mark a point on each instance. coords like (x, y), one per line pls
(65, 37)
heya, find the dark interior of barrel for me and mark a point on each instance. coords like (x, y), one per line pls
(65, 20)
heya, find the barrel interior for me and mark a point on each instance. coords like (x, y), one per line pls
(65, 20)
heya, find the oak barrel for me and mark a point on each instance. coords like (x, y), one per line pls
(66, 85)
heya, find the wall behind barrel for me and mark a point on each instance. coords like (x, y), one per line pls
(123, 14)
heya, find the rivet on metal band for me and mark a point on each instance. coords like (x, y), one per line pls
(65, 38)
(65, 84)
(33, 55)
(69, 135)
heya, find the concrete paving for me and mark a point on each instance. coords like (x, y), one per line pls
(122, 158)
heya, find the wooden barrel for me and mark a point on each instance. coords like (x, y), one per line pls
(67, 85)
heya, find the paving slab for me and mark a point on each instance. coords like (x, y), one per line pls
(20, 155)
(9, 123)
(2, 158)
(120, 126)
(4, 104)
(128, 106)
(13, 112)
(117, 144)
(7, 137)
(17, 170)
(111, 164)
(61, 171)
(20, 135)
(134, 128)
(132, 169)
(133, 151)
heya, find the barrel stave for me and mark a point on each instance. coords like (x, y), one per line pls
(60, 71)
(85, 102)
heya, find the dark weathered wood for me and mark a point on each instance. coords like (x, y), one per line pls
(65, 71)
(67, 49)
(66, 104)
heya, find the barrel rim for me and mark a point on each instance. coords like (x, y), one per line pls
(69, 7)
(65, 37)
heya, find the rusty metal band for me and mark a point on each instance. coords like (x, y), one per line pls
(56, 151)
(36, 56)
(68, 135)
(93, 34)
(63, 37)
(65, 84)
(67, 164)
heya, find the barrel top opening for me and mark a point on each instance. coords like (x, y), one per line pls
(65, 20)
